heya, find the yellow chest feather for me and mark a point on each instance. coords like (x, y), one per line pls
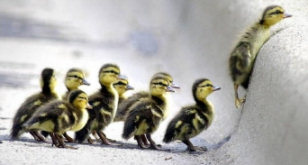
(80, 123)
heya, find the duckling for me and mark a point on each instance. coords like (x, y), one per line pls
(243, 56)
(32, 103)
(124, 105)
(121, 86)
(58, 117)
(74, 78)
(104, 103)
(144, 115)
(191, 120)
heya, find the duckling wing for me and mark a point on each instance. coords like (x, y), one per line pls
(186, 124)
(144, 117)
(124, 106)
(53, 117)
(241, 62)
(26, 110)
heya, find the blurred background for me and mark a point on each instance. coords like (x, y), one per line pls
(188, 39)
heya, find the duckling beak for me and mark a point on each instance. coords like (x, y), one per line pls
(122, 77)
(287, 15)
(85, 82)
(89, 106)
(170, 89)
(173, 85)
(216, 88)
(129, 87)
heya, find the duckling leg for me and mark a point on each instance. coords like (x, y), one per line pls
(110, 140)
(238, 101)
(190, 146)
(61, 142)
(40, 137)
(141, 142)
(145, 140)
(54, 140)
(90, 141)
(95, 135)
(36, 137)
(68, 138)
(152, 143)
(103, 138)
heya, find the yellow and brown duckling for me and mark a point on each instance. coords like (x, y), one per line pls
(32, 103)
(73, 80)
(124, 105)
(191, 120)
(121, 87)
(144, 115)
(104, 103)
(58, 117)
(244, 54)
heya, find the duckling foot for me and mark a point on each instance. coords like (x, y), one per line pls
(90, 141)
(140, 142)
(68, 138)
(190, 146)
(37, 136)
(239, 102)
(61, 143)
(54, 140)
(103, 138)
(145, 140)
(153, 145)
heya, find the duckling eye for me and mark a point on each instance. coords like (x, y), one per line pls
(276, 12)
(160, 83)
(75, 76)
(83, 98)
(111, 71)
(207, 85)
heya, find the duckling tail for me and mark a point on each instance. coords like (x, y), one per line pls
(169, 135)
(82, 135)
(129, 127)
(16, 131)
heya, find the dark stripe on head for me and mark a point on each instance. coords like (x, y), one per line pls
(108, 65)
(74, 70)
(46, 75)
(265, 11)
(72, 95)
(162, 73)
(195, 86)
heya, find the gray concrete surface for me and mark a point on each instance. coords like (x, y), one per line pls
(189, 39)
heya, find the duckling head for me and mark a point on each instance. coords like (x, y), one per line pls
(75, 78)
(272, 15)
(48, 80)
(109, 74)
(202, 88)
(168, 77)
(122, 86)
(160, 86)
(78, 99)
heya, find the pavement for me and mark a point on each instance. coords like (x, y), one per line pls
(188, 39)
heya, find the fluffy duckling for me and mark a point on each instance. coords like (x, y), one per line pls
(244, 54)
(73, 80)
(58, 117)
(104, 103)
(191, 120)
(124, 105)
(121, 87)
(32, 103)
(144, 115)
